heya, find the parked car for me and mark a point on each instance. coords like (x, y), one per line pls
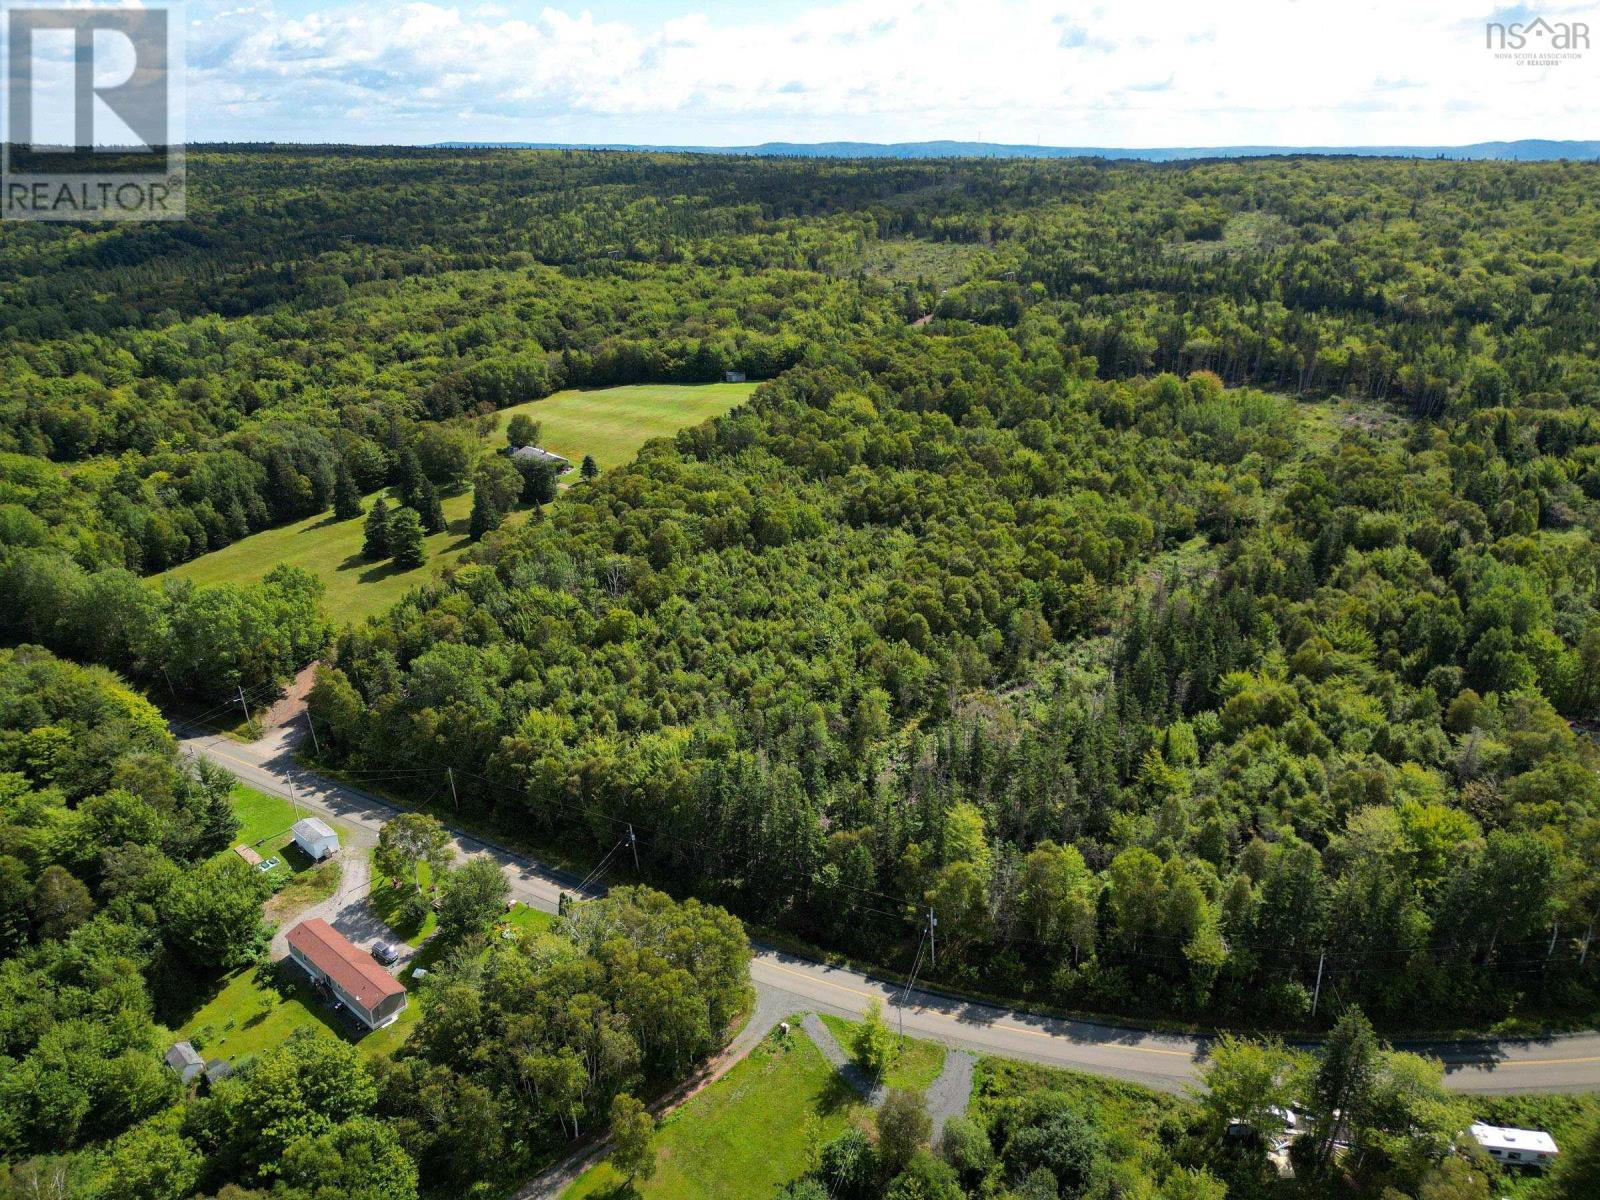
(385, 953)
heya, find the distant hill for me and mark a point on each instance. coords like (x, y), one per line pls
(1531, 150)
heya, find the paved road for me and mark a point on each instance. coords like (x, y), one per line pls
(788, 984)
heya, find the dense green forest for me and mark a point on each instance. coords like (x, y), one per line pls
(1083, 612)
(1179, 580)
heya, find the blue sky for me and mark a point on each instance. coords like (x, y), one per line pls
(1136, 73)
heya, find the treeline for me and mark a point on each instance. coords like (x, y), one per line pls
(189, 437)
(198, 642)
(110, 901)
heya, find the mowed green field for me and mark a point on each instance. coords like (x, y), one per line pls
(745, 1135)
(609, 423)
(612, 423)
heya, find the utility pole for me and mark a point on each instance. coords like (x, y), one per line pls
(243, 705)
(1317, 995)
(633, 844)
(1550, 953)
(454, 799)
(312, 726)
(171, 691)
(933, 945)
(911, 982)
(1587, 934)
(294, 800)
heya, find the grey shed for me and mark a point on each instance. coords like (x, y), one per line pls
(183, 1059)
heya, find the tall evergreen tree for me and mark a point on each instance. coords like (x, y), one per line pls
(376, 543)
(1342, 1088)
(590, 468)
(429, 508)
(346, 496)
(486, 517)
(409, 477)
(405, 538)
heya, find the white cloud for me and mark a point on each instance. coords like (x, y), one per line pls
(1141, 73)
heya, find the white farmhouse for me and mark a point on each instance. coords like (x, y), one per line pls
(1516, 1147)
(313, 835)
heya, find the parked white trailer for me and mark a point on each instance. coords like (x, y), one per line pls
(1516, 1147)
(313, 835)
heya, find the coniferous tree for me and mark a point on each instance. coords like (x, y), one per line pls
(409, 477)
(376, 543)
(429, 508)
(346, 496)
(1342, 1087)
(486, 518)
(405, 538)
(590, 468)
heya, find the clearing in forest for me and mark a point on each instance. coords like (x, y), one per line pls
(609, 423)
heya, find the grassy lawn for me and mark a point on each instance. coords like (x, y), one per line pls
(331, 550)
(528, 921)
(254, 1011)
(249, 1016)
(610, 423)
(915, 1066)
(264, 825)
(745, 1135)
(388, 899)
(303, 889)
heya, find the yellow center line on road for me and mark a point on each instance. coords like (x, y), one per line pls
(1511, 1063)
(995, 1025)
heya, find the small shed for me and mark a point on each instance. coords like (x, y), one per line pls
(733, 377)
(217, 1070)
(313, 835)
(1516, 1147)
(183, 1059)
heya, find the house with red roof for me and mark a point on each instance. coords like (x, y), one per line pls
(376, 997)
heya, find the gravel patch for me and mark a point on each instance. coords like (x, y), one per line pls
(947, 1096)
(819, 1033)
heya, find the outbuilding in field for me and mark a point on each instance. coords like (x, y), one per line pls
(733, 377)
(1516, 1147)
(183, 1059)
(525, 454)
(313, 835)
